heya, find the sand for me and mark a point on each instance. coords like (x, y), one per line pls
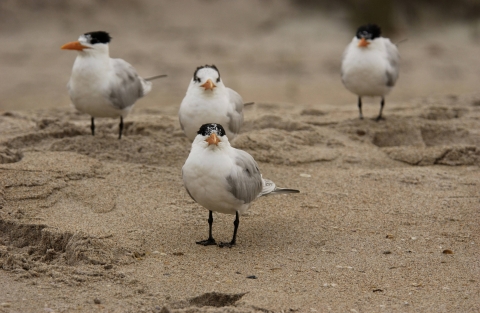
(386, 221)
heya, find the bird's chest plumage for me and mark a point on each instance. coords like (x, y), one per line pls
(196, 111)
(205, 176)
(89, 86)
(364, 72)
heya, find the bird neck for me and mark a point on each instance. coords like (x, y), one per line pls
(91, 65)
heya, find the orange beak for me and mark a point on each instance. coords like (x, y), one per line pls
(363, 43)
(208, 85)
(213, 139)
(76, 45)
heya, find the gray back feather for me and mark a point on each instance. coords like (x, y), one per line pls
(245, 180)
(127, 87)
(393, 60)
(236, 119)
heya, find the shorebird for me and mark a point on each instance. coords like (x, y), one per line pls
(370, 65)
(209, 101)
(101, 86)
(223, 179)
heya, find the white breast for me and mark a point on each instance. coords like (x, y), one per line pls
(197, 110)
(204, 175)
(89, 87)
(364, 70)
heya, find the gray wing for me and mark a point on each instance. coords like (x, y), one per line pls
(245, 180)
(126, 87)
(393, 58)
(236, 118)
(344, 55)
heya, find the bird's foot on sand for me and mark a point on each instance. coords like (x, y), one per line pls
(226, 244)
(207, 242)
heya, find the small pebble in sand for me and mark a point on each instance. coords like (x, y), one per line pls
(252, 277)
(447, 251)
(97, 301)
(5, 304)
(305, 175)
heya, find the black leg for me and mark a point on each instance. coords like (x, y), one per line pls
(234, 239)
(120, 128)
(210, 241)
(92, 126)
(382, 103)
(360, 107)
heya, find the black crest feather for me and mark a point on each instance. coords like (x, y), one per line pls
(195, 77)
(98, 37)
(208, 129)
(369, 31)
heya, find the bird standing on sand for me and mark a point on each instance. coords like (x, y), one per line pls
(208, 100)
(101, 86)
(223, 179)
(370, 65)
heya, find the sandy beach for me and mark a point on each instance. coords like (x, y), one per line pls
(387, 215)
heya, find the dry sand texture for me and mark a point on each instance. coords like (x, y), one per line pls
(388, 214)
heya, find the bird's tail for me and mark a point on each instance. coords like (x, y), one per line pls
(269, 188)
(155, 77)
(285, 190)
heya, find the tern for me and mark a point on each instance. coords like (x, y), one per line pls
(101, 86)
(370, 65)
(208, 100)
(223, 179)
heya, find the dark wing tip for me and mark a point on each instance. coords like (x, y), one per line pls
(286, 190)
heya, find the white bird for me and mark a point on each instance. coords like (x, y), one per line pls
(101, 86)
(370, 65)
(209, 101)
(223, 179)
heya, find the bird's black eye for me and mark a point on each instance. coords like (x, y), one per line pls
(218, 80)
(94, 41)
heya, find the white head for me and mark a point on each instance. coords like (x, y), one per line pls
(206, 80)
(92, 43)
(211, 136)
